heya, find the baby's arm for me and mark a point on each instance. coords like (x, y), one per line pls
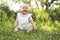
(15, 25)
(32, 22)
(16, 21)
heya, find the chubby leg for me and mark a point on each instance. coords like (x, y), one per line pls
(18, 27)
(30, 28)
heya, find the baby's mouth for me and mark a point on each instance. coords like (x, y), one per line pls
(25, 10)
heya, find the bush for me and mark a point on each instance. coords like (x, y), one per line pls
(54, 14)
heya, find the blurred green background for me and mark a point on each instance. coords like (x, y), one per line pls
(45, 13)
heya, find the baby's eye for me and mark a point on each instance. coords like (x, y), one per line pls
(25, 7)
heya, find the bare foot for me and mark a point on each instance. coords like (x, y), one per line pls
(16, 29)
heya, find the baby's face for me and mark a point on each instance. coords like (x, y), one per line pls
(24, 9)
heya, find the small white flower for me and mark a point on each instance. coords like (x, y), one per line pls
(17, 39)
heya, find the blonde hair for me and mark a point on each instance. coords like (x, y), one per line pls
(24, 4)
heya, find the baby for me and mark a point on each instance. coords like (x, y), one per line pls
(24, 21)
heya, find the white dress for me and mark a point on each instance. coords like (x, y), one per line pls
(23, 22)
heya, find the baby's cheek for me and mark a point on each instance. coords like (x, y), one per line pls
(21, 9)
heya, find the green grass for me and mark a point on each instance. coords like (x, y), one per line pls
(39, 34)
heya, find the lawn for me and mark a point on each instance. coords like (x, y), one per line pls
(39, 34)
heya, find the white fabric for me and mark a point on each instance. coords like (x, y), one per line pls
(23, 22)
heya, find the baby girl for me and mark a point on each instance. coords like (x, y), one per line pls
(24, 21)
